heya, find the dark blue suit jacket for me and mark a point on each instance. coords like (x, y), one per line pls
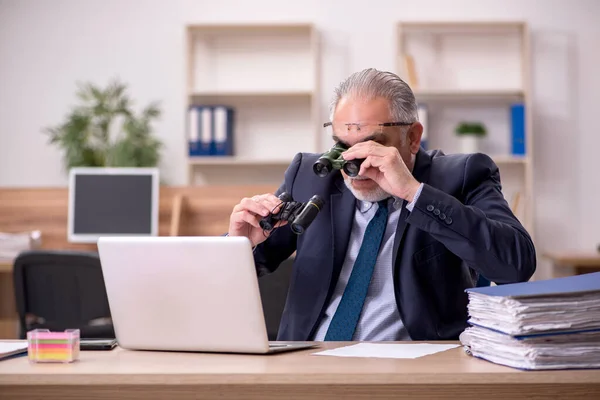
(461, 226)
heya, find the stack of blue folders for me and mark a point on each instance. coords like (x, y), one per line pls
(210, 130)
(549, 324)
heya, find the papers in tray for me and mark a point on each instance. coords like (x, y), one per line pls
(550, 324)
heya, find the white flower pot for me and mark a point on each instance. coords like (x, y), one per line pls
(469, 143)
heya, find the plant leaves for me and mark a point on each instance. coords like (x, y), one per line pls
(103, 130)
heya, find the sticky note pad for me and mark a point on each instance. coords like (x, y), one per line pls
(47, 346)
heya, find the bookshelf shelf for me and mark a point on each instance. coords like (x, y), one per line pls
(509, 159)
(463, 27)
(470, 95)
(474, 71)
(269, 75)
(250, 28)
(232, 160)
(229, 95)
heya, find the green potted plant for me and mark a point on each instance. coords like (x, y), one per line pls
(105, 131)
(469, 134)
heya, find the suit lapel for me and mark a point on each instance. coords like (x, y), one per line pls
(421, 174)
(343, 205)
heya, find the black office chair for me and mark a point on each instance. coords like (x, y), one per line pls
(60, 290)
(273, 291)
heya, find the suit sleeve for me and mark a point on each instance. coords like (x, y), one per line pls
(282, 241)
(482, 231)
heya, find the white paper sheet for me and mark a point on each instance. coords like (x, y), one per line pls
(388, 350)
(8, 348)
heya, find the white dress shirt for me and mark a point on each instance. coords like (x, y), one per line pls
(380, 319)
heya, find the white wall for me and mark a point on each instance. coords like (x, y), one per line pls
(45, 46)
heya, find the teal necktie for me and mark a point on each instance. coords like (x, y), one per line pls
(346, 316)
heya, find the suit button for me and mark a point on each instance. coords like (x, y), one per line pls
(430, 208)
(448, 220)
(442, 216)
(436, 211)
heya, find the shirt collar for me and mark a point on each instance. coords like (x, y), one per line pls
(365, 206)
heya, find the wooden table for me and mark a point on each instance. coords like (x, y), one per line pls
(162, 375)
(8, 311)
(568, 263)
(6, 266)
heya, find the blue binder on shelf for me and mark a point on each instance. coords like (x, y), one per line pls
(517, 116)
(222, 133)
(200, 121)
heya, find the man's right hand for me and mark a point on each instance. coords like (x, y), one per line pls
(244, 220)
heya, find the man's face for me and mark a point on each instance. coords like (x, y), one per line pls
(369, 114)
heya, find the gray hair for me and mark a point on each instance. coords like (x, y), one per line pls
(371, 83)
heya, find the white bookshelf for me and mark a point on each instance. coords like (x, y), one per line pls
(474, 71)
(269, 74)
(509, 159)
(468, 95)
(235, 160)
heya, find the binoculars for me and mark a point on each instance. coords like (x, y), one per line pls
(300, 215)
(332, 159)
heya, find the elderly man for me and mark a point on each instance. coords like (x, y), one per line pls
(390, 254)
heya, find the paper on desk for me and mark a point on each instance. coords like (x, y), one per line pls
(11, 347)
(387, 350)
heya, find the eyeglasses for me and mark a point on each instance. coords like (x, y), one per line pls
(344, 128)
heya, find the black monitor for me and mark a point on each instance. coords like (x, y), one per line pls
(112, 202)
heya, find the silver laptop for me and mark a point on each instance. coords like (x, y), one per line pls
(186, 294)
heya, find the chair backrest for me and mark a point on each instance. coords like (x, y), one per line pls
(60, 290)
(273, 293)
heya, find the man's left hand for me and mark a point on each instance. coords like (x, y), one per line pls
(386, 167)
